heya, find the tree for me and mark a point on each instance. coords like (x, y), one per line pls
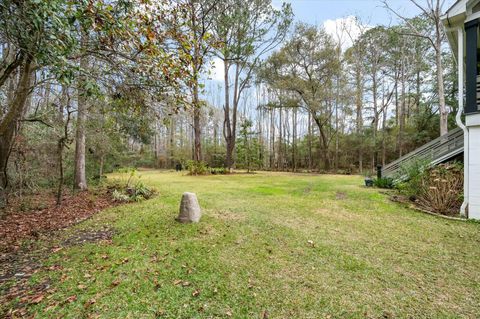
(191, 24)
(244, 32)
(305, 66)
(38, 34)
(432, 11)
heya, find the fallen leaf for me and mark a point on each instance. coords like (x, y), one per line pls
(115, 283)
(50, 308)
(71, 299)
(90, 302)
(81, 287)
(177, 282)
(228, 313)
(196, 293)
(37, 299)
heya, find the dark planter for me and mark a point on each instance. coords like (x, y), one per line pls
(368, 182)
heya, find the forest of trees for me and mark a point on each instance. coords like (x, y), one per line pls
(90, 86)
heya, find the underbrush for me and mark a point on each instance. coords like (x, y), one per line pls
(384, 182)
(134, 190)
(438, 189)
(201, 168)
(441, 189)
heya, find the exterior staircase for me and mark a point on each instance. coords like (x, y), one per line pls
(434, 152)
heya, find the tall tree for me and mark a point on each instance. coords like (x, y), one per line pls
(305, 66)
(191, 24)
(431, 10)
(244, 31)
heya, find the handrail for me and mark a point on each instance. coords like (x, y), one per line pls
(435, 151)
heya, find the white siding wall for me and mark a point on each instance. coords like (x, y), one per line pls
(473, 123)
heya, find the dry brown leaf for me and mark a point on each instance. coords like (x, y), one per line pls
(37, 299)
(90, 302)
(71, 299)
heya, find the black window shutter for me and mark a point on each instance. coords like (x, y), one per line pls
(471, 29)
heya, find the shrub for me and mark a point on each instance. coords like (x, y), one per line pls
(409, 178)
(218, 171)
(197, 168)
(139, 192)
(119, 196)
(128, 193)
(384, 182)
(441, 189)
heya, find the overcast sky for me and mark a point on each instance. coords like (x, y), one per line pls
(332, 14)
(319, 11)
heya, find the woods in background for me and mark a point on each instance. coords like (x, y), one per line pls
(90, 86)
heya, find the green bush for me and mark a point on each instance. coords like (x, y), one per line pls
(139, 192)
(384, 182)
(197, 168)
(133, 191)
(409, 178)
(218, 171)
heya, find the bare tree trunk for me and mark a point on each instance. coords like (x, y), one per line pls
(441, 87)
(323, 144)
(280, 141)
(294, 141)
(10, 123)
(171, 142)
(227, 124)
(401, 112)
(80, 179)
(62, 142)
(359, 117)
(272, 139)
(376, 119)
(310, 156)
(196, 125)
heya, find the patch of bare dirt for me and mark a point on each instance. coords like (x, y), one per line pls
(341, 196)
(20, 259)
(89, 236)
(17, 225)
(227, 215)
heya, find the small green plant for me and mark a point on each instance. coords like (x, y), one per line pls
(140, 192)
(384, 182)
(410, 176)
(120, 197)
(197, 168)
(127, 193)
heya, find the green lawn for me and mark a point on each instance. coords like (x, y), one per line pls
(252, 255)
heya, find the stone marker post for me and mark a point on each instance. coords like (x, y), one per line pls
(190, 211)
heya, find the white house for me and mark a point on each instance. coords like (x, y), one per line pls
(462, 23)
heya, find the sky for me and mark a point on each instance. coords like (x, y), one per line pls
(332, 15)
(370, 11)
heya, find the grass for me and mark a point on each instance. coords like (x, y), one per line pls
(252, 255)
